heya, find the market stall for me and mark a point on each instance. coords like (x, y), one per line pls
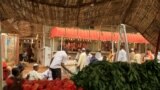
(74, 39)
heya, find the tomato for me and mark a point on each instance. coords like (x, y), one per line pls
(26, 87)
(80, 88)
(65, 84)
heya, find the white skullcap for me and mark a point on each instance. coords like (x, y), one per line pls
(99, 56)
(132, 49)
(35, 64)
(83, 49)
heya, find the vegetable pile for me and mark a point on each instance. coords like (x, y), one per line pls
(65, 84)
(119, 76)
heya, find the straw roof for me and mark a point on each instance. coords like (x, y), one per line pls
(8, 28)
(142, 15)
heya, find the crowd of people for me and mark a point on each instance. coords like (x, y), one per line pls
(14, 78)
(84, 57)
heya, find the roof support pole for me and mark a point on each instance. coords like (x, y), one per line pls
(1, 70)
(158, 46)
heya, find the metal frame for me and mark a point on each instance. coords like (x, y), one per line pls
(123, 38)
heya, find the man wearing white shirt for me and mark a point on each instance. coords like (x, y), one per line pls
(78, 54)
(137, 57)
(34, 75)
(82, 60)
(47, 74)
(122, 55)
(59, 59)
(89, 56)
(98, 55)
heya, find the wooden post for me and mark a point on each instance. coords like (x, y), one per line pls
(17, 47)
(61, 42)
(145, 47)
(43, 48)
(158, 46)
(1, 70)
(112, 41)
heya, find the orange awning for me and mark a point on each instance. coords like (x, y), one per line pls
(94, 35)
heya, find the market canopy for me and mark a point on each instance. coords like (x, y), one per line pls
(143, 15)
(76, 33)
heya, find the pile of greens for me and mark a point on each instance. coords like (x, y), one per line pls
(119, 76)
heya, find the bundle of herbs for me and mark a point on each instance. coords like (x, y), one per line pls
(119, 76)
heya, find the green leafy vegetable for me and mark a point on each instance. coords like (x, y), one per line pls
(119, 76)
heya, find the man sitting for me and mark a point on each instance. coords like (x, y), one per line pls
(14, 81)
(34, 75)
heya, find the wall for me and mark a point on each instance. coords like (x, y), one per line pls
(10, 47)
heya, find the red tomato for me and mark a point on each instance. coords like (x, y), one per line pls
(26, 87)
(80, 88)
(9, 81)
(57, 84)
(35, 86)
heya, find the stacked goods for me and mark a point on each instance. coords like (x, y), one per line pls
(64, 84)
(119, 76)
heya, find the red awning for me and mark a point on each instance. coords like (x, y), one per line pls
(94, 35)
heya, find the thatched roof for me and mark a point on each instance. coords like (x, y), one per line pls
(8, 28)
(143, 15)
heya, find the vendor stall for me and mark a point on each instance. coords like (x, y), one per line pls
(74, 39)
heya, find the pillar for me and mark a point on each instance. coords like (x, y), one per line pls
(158, 46)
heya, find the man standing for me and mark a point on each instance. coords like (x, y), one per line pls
(98, 55)
(59, 59)
(78, 54)
(148, 56)
(89, 56)
(122, 55)
(82, 59)
(132, 54)
(137, 57)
